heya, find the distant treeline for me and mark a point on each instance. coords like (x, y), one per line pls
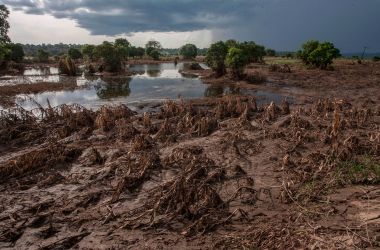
(52, 49)
(61, 49)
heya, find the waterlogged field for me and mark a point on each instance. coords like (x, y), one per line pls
(286, 164)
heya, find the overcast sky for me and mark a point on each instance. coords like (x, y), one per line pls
(279, 24)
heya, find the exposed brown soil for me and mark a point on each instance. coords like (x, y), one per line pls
(223, 174)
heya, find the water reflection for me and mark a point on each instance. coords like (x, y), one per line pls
(41, 71)
(113, 87)
(149, 83)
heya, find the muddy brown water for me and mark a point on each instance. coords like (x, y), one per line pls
(149, 85)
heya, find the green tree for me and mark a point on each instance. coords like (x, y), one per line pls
(140, 52)
(318, 54)
(88, 51)
(255, 53)
(17, 52)
(122, 42)
(215, 57)
(237, 60)
(153, 49)
(5, 54)
(110, 55)
(188, 51)
(123, 46)
(155, 54)
(42, 55)
(231, 43)
(74, 53)
(4, 25)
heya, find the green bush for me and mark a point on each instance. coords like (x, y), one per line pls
(110, 54)
(237, 60)
(318, 54)
(215, 57)
(74, 54)
(188, 51)
(42, 55)
(153, 49)
(254, 52)
(155, 54)
(88, 51)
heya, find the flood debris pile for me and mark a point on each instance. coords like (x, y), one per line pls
(220, 173)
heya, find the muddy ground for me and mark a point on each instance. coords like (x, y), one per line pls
(214, 173)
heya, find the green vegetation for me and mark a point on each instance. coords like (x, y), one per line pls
(188, 51)
(153, 49)
(112, 56)
(365, 170)
(136, 52)
(42, 55)
(318, 54)
(376, 58)
(237, 60)
(215, 57)
(122, 46)
(74, 53)
(236, 55)
(4, 25)
(88, 51)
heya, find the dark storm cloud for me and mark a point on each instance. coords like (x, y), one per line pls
(281, 24)
(119, 16)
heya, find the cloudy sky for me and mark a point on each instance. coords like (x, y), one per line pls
(279, 24)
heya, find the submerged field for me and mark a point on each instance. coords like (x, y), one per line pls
(228, 172)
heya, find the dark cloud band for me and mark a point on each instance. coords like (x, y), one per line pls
(119, 16)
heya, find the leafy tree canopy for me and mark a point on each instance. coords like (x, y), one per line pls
(74, 53)
(237, 60)
(189, 51)
(153, 49)
(215, 57)
(4, 25)
(318, 54)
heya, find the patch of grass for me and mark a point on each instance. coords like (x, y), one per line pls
(364, 170)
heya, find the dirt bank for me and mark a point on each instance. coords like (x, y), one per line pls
(8, 92)
(224, 175)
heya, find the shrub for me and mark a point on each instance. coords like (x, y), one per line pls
(42, 55)
(17, 52)
(254, 52)
(88, 51)
(155, 54)
(153, 49)
(376, 58)
(5, 54)
(74, 53)
(122, 46)
(237, 60)
(215, 57)
(318, 54)
(188, 51)
(112, 59)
